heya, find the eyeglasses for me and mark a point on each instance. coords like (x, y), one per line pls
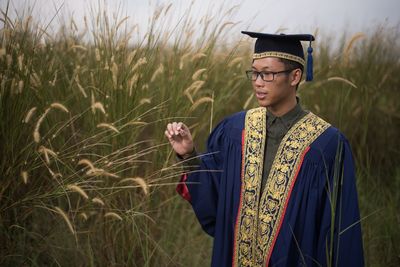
(267, 76)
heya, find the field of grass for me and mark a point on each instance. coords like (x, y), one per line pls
(87, 177)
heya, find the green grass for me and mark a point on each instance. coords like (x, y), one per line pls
(142, 84)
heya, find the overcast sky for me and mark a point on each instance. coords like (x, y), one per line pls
(262, 15)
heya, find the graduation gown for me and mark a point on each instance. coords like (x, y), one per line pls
(307, 213)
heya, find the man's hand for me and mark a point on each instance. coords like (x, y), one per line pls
(180, 138)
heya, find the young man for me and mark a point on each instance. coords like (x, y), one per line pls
(276, 186)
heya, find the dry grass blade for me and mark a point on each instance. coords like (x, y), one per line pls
(198, 73)
(132, 81)
(79, 47)
(109, 174)
(83, 216)
(66, 219)
(197, 85)
(97, 54)
(21, 62)
(80, 87)
(121, 22)
(137, 123)
(114, 71)
(145, 101)
(340, 79)
(139, 63)
(95, 172)
(248, 101)
(198, 56)
(20, 86)
(30, 114)
(140, 181)
(100, 172)
(98, 201)
(183, 58)
(35, 80)
(108, 126)
(87, 163)
(24, 176)
(189, 96)
(226, 24)
(112, 215)
(36, 133)
(99, 106)
(235, 61)
(202, 100)
(158, 71)
(77, 189)
(46, 152)
(192, 89)
(349, 47)
(131, 57)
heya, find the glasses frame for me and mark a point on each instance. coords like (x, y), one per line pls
(249, 74)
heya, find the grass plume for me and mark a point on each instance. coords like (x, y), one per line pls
(78, 189)
(113, 215)
(66, 219)
(108, 126)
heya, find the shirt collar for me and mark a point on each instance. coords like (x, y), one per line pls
(288, 118)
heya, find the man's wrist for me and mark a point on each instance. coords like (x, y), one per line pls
(191, 161)
(191, 154)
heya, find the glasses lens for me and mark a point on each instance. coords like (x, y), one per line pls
(251, 75)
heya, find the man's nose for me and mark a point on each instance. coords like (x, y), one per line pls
(259, 81)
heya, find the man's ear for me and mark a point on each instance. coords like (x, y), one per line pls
(296, 77)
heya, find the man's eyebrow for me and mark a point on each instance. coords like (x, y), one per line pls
(263, 68)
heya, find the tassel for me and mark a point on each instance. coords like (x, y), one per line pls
(309, 76)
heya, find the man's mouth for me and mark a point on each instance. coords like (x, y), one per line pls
(261, 95)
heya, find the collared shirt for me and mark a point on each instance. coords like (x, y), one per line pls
(277, 127)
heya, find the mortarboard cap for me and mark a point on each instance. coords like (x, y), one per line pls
(287, 46)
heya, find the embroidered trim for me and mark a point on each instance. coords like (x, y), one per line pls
(259, 220)
(253, 160)
(287, 202)
(240, 201)
(280, 55)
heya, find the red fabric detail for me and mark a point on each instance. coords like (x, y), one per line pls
(240, 201)
(286, 204)
(182, 188)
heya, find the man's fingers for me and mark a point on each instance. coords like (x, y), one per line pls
(170, 129)
(179, 126)
(183, 129)
(167, 134)
(174, 127)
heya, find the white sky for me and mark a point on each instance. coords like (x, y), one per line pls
(263, 15)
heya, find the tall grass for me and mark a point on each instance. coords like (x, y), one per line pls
(87, 175)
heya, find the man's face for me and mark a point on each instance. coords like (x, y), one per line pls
(276, 93)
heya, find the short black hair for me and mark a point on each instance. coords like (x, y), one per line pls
(291, 65)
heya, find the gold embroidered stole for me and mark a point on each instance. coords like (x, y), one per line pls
(259, 220)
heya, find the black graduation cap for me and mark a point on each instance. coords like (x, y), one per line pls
(286, 46)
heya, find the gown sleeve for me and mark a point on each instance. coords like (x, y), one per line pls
(201, 186)
(348, 246)
(340, 239)
(322, 223)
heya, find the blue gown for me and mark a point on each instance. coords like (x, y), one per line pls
(305, 235)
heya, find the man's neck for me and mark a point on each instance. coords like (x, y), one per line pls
(283, 109)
